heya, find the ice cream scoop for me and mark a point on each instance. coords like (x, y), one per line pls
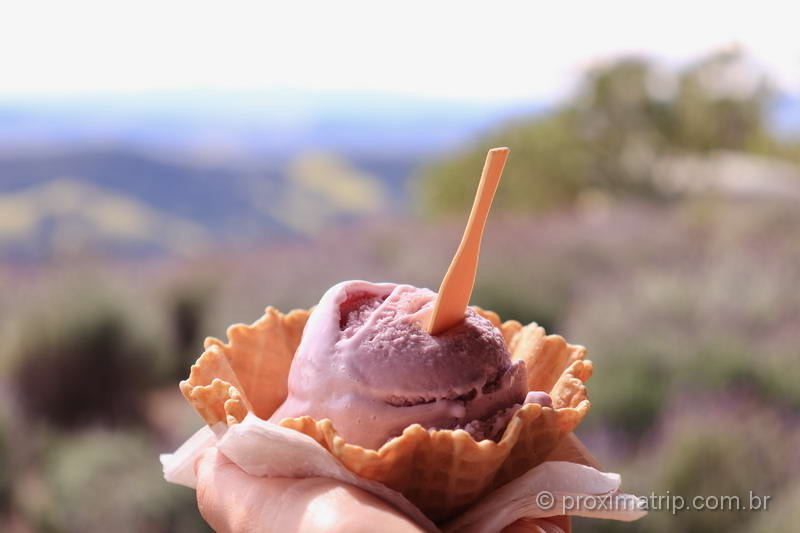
(366, 363)
(377, 361)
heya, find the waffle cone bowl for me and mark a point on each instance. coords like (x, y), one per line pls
(441, 471)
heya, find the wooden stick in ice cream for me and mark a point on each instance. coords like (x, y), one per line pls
(456, 289)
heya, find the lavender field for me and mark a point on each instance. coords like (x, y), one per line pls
(650, 211)
(689, 311)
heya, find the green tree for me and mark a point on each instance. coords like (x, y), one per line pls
(623, 118)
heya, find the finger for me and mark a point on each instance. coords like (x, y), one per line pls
(552, 524)
(224, 491)
(563, 522)
(523, 525)
(210, 454)
(327, 505)
(233, 502)
(530, 525)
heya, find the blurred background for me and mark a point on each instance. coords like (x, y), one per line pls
(168, 169)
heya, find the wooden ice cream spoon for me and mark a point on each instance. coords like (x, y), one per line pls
(456, 289)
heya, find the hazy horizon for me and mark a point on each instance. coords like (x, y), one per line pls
(512, 52)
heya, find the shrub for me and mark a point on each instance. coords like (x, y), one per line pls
(715, 446)
(628, 391)
(83, 364)
(542, 304)
(6, 481)
(111, 481)
(186, 309)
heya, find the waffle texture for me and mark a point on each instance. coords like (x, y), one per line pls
(440, 471)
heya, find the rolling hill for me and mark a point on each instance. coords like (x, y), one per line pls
(130, 203)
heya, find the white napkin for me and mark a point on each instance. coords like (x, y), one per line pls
(261, 448)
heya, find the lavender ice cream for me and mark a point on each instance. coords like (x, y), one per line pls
(366, 363)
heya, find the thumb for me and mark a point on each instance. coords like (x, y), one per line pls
(552, 524)
(231, 501)
(218, 480)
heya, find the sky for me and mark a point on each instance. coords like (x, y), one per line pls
(474, 51)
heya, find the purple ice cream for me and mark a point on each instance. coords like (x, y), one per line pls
(366, 362)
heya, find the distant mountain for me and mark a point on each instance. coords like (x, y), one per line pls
(66, 216)
(129, 202)
(177, 188)
(277, 123)
(252, 123)
(234, 166)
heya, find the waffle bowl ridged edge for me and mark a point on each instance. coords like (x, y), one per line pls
(440, 471)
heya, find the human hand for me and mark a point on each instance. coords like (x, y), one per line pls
(231, 501)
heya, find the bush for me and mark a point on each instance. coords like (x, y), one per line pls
(611, 135)
(544, 304)
(782, 513)
(732, 366)
(187, 309)
(715, 447)
(628, 392)
(88, 364)
(6, 480)
(111, 481)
